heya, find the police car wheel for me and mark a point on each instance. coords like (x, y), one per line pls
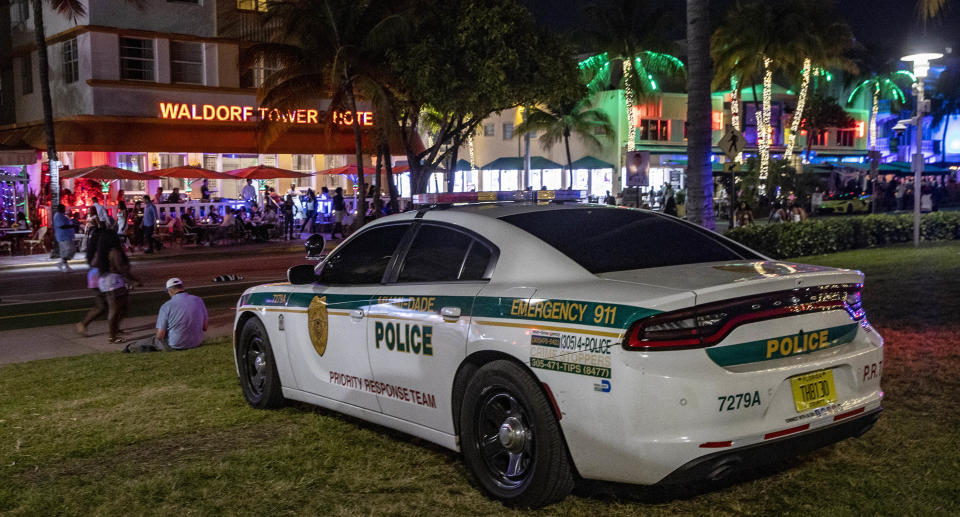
(258, 372)
(511, 441)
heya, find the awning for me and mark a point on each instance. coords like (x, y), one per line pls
(511, 163)
(589, 162)
(904, 169)
(103, 133)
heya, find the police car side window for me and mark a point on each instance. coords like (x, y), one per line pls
(439, 254)
(476, 263)
(364, 259)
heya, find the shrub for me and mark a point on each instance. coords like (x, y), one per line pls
(819, 236)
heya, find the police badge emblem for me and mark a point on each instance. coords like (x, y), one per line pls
(317, 324)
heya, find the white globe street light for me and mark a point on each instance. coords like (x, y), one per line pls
(921, 66)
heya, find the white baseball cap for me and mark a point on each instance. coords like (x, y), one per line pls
(174, 282)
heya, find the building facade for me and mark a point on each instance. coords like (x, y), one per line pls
(159, 84)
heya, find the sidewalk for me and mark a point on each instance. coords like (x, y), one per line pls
(199, 252)
(22, 345)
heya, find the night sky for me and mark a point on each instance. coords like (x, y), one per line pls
(889, 24)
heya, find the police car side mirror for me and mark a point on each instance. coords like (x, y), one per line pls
(302, 274)
(315, 247)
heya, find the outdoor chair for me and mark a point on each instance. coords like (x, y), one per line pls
(8, 245)
(37, 240)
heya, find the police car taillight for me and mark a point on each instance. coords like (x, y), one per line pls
(708, 324)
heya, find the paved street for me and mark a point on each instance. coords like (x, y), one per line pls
(39, 305)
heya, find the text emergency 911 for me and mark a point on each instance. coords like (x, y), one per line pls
(381, 388)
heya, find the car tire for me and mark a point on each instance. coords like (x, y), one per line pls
(257, 367)
(511, 439)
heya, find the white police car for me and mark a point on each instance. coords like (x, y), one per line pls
(546, 342)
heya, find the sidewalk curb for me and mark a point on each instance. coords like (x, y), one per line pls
(157, 256)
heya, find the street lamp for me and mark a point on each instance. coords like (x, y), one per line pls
(921, 65)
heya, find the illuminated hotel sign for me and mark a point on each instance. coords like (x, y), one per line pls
(234, 113)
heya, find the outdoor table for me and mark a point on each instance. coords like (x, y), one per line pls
(15, 237)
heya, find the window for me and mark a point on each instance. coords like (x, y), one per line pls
(135, 163)
(440, 254)
(136, 59)
(71, 63)
(489, 130)
(172, 160)
(302, 162)
(653, 129)
(845, 137)
(252, 5)
(604, 239)
(20, 11)
(822, 138)
(364, 259)
(186, 62)
(507, 130)
(255, 76)
(26, 74)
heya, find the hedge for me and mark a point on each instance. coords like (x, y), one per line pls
(828, 235)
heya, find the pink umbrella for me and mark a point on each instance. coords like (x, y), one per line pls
(191, 172)
(266, 172)
(103, 172)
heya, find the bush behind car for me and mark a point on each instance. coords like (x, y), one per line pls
(819, 236)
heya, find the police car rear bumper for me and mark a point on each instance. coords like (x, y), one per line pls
(720, 465)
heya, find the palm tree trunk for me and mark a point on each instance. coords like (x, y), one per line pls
(699, 107)
(875, 108)
(765, 123)
(377, 203)
(43, 62)
(798, 113)
(452, 170)
(566, 143)
(358, 139)
(394, 195)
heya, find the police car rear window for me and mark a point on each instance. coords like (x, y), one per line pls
(606, 239)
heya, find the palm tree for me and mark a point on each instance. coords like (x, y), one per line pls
(562, 119)
(633, 52)
(746, 47)
(946, 103)
(71, 9)
(330, 47)
(699, 107)
(815, 32)
(880, 85)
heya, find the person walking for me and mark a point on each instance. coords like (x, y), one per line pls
(63, 230)
(181, 322)
(149, 222)
(287, 208)
(93, 284)
(309, 210)
(339, 212)
(114, 269)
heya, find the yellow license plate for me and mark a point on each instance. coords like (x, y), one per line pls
(813, 390)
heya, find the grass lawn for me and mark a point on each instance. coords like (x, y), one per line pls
(170, 434)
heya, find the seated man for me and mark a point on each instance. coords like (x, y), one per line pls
(180, 324)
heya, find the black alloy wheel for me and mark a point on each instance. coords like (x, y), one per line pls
(258, 371)
(511, 439)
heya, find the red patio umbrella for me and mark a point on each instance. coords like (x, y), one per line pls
(266, 172)
(191, 172)
(351, 170)
(103, 172)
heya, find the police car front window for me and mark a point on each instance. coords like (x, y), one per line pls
(608, 239)
(436, 255)
(364, 259)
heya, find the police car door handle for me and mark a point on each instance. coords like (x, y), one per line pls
(356, 314)
(450, 313)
